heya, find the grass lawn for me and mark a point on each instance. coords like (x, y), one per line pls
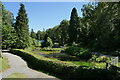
(100, 65)
(17, 75)
(53, 54)
(80, 63)
(4, 64)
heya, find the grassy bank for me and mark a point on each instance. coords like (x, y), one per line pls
(4, 64)
(17, 75)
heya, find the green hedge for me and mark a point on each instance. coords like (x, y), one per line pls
(63, 71)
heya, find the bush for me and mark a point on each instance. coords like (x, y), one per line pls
(100, 58)
(64, 71)
(79, 52)
(47, 43)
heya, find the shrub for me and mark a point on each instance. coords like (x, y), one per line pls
(47, 43)
(100, 58)
(64, 71)
(49, 40)
(79, 52)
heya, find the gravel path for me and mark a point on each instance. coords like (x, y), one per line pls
(19, 65)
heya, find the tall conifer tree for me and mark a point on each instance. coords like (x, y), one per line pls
(72, 30)
(22, 28)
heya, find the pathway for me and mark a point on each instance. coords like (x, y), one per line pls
(19, 65)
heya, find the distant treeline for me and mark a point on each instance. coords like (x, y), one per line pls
(98, 29)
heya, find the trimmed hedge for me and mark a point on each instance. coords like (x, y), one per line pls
(63, 71)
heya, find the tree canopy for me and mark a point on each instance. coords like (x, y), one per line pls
(22, 28)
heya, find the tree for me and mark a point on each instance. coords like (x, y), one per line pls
(63, 28)
(33, 34)
(86, 24)
(47, 41)
(40, 35)
(0, 25)
(73, 28)
(8, 33)
(102, 31)
(22, 28)
(54, 34)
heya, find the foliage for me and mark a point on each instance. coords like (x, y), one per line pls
(40, 35)
(8, 37)
(73, 28)
(97, 30)
(8, 33)
(103, 34)
(63, 28)
(47, 41)
(33, 34)
(100, 58)
(79, 52)
(65, 71)
(22, 28)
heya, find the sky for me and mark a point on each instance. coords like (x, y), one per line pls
(45, 14)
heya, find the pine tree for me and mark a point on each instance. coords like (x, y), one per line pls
(22, 28)
(72, 30)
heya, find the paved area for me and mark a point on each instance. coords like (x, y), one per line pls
(19, 65)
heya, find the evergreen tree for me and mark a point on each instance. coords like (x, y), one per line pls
(45, 43)
(73, 28)
(22, 28)
(33, 34)
(38, 35)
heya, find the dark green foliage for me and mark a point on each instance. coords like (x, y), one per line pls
(66, 72)
(63, 28)
(103, 34)
(100, 58)
(73, 28)
(97, 30)
(79, 52)
(22, 28)
(47, 41)
(8, 33)
(8, 37)
(40, 35)
(33, 34)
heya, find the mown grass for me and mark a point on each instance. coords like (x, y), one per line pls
(100, 65)
(17, 75)
(80, 63)
(4, 64)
